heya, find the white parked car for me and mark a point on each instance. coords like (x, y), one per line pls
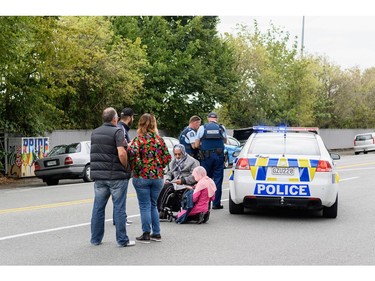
(170, 143)
(284, 167)
(364, 143)
(65, 162)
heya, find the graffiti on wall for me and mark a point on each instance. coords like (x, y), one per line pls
(23, 154)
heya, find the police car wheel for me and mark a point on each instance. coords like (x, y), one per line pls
(331, 212)
(235, 208)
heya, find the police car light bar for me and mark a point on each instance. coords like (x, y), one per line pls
(285, 129)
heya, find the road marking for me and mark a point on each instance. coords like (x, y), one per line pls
(355, 165)
(348, 179)
(46, 206)
(64, 227)
(54, 205)
(53, 229)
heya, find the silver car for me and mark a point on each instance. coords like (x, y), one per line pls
(65, 162)
(364, 143)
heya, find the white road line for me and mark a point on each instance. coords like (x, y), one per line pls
(65, 227)
(53, 229)
(348, 179)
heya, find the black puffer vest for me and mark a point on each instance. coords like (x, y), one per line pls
(104, 161)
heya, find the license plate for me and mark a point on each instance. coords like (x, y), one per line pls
(51, 163)
(282, 171)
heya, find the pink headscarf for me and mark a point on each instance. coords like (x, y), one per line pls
(200, 175)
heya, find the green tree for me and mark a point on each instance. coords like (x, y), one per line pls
(277, 86)
(26, 62)
(190, 67)
(105, 70)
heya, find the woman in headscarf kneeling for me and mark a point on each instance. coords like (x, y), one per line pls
(201, 196)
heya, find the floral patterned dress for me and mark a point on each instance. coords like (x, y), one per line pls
(148, 156)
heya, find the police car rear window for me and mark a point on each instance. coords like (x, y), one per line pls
(292, 145)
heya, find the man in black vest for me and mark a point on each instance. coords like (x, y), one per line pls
(108, 162)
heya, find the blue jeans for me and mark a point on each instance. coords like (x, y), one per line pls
(214, 165)
(103, 190)
(148, 191)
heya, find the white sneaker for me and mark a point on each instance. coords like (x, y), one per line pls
(130, 243)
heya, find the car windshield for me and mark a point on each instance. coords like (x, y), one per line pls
(63, 149)
(58, 149)
(73, 148)
(294, 144)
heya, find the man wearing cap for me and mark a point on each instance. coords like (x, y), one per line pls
(126, 121)
(188, 136)
(211, 138)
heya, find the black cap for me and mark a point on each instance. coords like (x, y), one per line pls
(212, 115)
(127, 112)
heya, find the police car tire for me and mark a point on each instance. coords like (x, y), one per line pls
(331, 212)
(235, 208)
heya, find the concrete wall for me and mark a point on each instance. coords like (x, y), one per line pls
(341, 138)
(70, 136)
(333, 138)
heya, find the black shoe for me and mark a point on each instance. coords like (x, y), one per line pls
(155, 237)
(200, 218)
(144, 238)
(217, 207)
(206, 217)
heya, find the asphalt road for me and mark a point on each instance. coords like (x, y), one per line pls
(43, 225)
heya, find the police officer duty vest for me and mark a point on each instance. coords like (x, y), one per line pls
(188, 148)
(104, 161)
(213, 137)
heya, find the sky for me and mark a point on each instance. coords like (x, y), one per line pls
(341, 30)
(347, 41)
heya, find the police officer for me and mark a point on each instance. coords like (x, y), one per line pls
(211, 138)
(188, 136)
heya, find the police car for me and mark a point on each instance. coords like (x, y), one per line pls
(284, 167)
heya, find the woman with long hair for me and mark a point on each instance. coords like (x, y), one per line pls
(148, 157)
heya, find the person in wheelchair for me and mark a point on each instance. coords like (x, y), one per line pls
(181, 168)
(177, 178)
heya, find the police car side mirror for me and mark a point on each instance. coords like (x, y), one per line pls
(236, 153)
(335, 156)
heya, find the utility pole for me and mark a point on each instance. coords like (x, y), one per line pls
(303, 35)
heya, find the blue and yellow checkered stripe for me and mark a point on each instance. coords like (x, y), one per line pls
(259, 167)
